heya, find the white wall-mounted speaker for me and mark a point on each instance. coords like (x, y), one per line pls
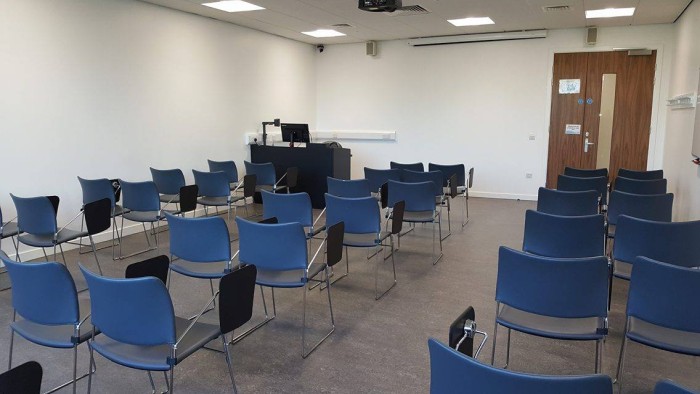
(592, 36)
(371, 48)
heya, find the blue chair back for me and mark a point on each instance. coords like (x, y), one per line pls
(586, 173)
(579, 184)
(674, 243)
(555, 287)
(361, 215)
(435, 177)
(419, 197)
(564, 236)
(377, 178)
(407, 166)
(353, 188)
(272, 247)
(140, 196)
(264, 171)
(135, 311)
(288, 208)
(448, 171)
(559, 202)
(43, 293)
(454, 372)
(212, 184)
(644, 175)
(637, 186)
(201, 240)
(657, 207)
(168, 181)
(667, 386)
(228, 167)
(665, 295)
(35, 215)
(97, 189)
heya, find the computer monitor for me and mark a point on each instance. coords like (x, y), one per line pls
(295, 132)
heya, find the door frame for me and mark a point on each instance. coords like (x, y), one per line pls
(655, 104)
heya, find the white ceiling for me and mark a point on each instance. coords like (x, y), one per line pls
(288, 18)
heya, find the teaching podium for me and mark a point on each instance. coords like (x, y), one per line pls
(315, 162)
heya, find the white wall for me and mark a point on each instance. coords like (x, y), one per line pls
(105, 88)
(684, 176)
(467, 103)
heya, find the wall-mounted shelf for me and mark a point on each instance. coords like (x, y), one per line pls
(689, 100)
(325, 135)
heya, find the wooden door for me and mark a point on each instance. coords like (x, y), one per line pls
(567, 109)
(632, 116)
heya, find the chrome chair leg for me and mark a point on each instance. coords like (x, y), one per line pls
(495, 335)
(507, 349)
(150, 379)
(621, 360)
(267, 319)
(229, 362)
(598, 356)
(305, 353)
(94, 251)
(380, 259)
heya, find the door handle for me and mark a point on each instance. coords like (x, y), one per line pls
(586, 144)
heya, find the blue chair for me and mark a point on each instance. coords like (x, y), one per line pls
(636, 186)
(140, 329)
(45, 300)
(215, 191)
(564, 236)
(420, 208)
(228, 167)
(667, 386)
(97, 189)
(579, 184)
(661, 309)
(656, 207)
(363, 229)
(168, 183)
(9, 230)
(406, 166)
(36, 220)
(354, 188)
(585, 172)
(460, 182)
(436, 177)
(552, 298)
(202, 246)
(279, 253)
(376, 178)
(643, 175)
(267, 177)
(558, 202)
(674, 243)
(142, 201)
(454, 372)
(291, 208)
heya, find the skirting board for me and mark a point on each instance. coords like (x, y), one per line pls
(504, 196)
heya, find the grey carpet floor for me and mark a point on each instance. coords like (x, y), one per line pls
(378, 346)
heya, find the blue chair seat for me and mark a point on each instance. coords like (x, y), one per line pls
(155, 358)
(9, 230)
(46, 241)
(55, 336)
(143, 216)
(171, 198)
(200, 270)
(550, 327)
(287, 278)
(368, 240)
(213, 201)
(664, 338)
(419, 216)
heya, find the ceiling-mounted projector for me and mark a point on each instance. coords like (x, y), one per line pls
(379, 5)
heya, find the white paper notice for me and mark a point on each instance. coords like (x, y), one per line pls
(573, 129)
(569, 86)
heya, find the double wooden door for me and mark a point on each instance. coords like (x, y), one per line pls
(575, 121)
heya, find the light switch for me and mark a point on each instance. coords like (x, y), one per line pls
(531, 137)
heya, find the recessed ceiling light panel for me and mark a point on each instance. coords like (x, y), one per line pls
(609, 13)
(323, 33)
(471, 21)
(233, 6)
